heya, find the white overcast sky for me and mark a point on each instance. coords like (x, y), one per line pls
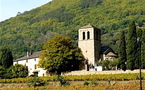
(10, 8)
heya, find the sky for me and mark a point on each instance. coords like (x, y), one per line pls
(10, 8)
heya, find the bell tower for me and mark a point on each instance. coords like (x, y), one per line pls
(90, 43)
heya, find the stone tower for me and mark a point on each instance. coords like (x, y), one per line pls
(90, 43)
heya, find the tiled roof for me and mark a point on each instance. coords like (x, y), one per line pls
(34, 55)
(111, 54)
(106, 50)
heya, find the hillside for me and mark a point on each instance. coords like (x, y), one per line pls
(30, 29)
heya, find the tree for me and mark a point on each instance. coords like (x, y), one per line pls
(17, 71)
(105, 64)
(6, 58)
(131, 47)
(143, 50)
(114, 63)
(139, 32)
(109, 64)
(122, 51)
(60, 55)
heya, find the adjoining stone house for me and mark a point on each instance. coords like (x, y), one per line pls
(89, 42)
(107, 53)
(31, 60)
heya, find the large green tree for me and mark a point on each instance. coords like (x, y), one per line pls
(132, 47)
(60, 55)
(143, 49)
(6, 58)
(122, 51)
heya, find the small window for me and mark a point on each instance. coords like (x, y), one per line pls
(83, 35)
(27, 61)
(88, 35)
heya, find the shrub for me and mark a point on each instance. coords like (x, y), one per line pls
(94, 82)
(86, 83)
(35, 81)
(63, 81)
(2, 72)
(17, 71)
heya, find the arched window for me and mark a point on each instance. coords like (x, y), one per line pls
(88, 35)
(83, 35)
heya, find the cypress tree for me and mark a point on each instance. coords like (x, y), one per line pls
(131, 46)
(143, 50)
(122, 51)
(138, 57)
(6, 58)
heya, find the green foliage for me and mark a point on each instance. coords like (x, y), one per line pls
(2, 72)
(139, 32)
(122, 51)
(17, 71)
(35, 81)
(60, 55)
(109, 64)
(131, 47)
(61, 14)
(90, 3)
(6, 59)
(62, 80)
(143, 49)
(86, 83)
(30, 30)
(114, 63)
(105, 64)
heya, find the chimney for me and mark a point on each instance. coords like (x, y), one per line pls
(27, 54)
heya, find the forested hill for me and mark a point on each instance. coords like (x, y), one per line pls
(30, 29)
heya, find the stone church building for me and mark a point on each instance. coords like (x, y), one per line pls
(89, 42)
